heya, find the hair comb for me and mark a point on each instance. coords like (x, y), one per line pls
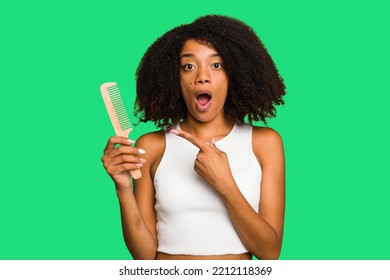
(118, 115)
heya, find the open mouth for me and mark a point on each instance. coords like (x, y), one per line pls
(203, 100)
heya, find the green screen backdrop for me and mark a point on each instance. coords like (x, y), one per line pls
(57, 202)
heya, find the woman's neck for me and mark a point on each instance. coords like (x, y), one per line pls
(217, 128)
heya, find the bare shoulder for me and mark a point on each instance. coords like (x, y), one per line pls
(152, 138)
(153, 144)
(267, 143)
(266, 135)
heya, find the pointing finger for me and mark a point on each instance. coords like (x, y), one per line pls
(191, 138)
(212, 142)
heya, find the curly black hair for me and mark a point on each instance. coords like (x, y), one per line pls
(255, 86)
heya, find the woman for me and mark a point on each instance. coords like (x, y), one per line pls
(212, 186)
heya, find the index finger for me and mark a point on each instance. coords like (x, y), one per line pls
(114, 140)
(191, 138)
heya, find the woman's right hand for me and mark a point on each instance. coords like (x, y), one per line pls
(120, 160)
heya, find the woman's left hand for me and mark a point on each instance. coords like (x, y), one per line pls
(211, 163)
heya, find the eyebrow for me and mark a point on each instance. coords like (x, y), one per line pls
(191, 55)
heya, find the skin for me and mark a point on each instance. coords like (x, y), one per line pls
(261, 233)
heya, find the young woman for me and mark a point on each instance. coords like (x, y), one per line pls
(212, 186)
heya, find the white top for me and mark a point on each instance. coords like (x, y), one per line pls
(191, 217)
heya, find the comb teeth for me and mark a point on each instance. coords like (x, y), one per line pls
(119, 107)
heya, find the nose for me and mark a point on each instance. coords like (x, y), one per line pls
(203, 75)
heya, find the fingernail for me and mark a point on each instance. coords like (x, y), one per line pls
(141, 151)
(142, 160)
(213, 140)
(140, 164)
(174, 131)
(130, 141)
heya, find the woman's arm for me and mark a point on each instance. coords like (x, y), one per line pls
(137, 213)
(260, 232)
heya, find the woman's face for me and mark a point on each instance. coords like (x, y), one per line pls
(203, 81)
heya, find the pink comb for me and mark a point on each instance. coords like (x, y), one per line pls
(117, 112)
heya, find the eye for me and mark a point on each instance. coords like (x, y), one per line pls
(217, 65)
(188, 67)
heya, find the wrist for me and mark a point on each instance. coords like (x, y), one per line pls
(123, 190)
(226, 187)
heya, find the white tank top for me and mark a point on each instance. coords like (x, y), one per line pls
(191, 217)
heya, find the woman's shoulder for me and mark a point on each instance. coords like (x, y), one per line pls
(153, 140)
(152, 136)
(266, 142)
(153, 143)
(267, 134)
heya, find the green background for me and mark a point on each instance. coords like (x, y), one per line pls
(57, 202)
